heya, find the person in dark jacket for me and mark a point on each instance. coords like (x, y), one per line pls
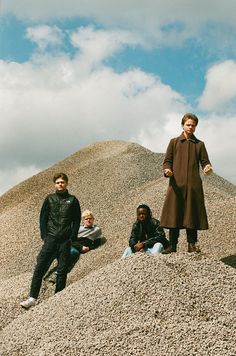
(184, 206)
(60, 218)
(146, 236)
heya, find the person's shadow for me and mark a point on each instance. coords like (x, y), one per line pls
(229, 260)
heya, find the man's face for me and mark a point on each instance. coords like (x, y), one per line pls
(88, 221)
(60, 185)
(189, 126)
(142, 214)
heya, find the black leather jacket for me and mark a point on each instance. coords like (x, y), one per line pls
(149, 232)
(60, 216)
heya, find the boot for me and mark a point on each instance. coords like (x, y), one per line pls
(169, 249)
(193, 248)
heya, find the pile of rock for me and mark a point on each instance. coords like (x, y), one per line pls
(178, 304)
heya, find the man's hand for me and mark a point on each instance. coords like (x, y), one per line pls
(85, 249)
(168, 172)
(138, 247)
(207, 169)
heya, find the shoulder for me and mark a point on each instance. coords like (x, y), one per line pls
(96, 227)
(73, 198)
(135, 224)
(196, 140)
(174, 140)
(49, 197)
(155, 222)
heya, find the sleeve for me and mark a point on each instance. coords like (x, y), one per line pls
(157, 234)
(43, 219)
(97, 233)
(134, 237)
(76, 219)
(97, 238)
(168, 160)
(204, 159)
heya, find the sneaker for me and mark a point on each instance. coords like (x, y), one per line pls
(30, 302)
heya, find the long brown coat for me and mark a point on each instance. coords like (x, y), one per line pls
(184, 203)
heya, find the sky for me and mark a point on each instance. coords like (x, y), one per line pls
(75, 72)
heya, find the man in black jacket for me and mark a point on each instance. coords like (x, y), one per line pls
(146, 235)
(60, 218)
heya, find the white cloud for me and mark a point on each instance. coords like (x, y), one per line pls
(52, 106)
(160, 21)
(96, 45)
(220, 88)
(41, 110)
(45, 36)
(219, 132)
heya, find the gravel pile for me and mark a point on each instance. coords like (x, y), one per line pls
(178, 304)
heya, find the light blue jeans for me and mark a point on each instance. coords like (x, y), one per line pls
(157, 248)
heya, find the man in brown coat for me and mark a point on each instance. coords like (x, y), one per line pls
(184, 206)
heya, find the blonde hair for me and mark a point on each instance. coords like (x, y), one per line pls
(87, 213)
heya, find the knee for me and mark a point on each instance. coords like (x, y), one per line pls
(158, 247)
(127, 252)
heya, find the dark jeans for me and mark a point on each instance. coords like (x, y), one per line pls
(174, 236)
(50, 248)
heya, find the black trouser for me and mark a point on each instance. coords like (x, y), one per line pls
(50, 248)
(174, 236)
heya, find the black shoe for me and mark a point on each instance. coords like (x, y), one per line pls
(193, 248)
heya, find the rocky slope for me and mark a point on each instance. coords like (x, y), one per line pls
(178, 304)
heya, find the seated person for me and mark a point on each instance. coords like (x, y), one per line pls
(89, 237)
(146, 236)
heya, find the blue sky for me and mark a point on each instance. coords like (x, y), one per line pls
(99, 70)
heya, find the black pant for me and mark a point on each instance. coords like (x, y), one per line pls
(174, 236)
(50, 248)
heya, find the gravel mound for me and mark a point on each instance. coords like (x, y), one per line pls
(178, 304)
(162, 305)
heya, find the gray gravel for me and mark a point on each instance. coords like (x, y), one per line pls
(179, 304)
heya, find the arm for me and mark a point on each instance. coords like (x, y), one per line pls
(204, 160)
(157, 234)
(97, 237)
(76, 219)
(94, 233)
(43, 219)
(168, 160)
(90, 237)
(98, 232)
(134, 237)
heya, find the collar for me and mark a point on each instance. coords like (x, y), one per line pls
(62, 194)
(192, 138)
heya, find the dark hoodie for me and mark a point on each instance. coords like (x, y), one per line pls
(148, 231)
